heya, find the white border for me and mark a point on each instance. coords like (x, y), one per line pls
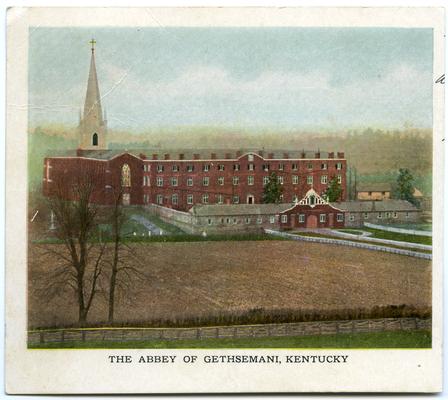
(85, 371)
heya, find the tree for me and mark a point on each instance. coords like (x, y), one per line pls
(120, 254)
(272, 190)
(404, 187)
(334, 190)
(81, 255)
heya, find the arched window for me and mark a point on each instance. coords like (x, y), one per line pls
(125, 175)
(95, 139)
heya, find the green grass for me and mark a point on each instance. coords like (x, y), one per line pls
(398, 339)
(401, 237)
(351, 231)
(319, 235)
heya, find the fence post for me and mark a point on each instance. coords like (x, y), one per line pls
(83, 336)
(41, 337)
(198, 333)
(62, 336)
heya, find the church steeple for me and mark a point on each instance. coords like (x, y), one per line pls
(92, 126)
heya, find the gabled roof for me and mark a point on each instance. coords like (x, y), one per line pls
(372, 206)
(238, 209)
(374, 187)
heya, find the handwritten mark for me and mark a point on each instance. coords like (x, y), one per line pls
(441, 79)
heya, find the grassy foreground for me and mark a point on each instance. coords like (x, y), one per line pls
(397, 339)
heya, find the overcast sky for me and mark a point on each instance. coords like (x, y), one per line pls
(292, 78)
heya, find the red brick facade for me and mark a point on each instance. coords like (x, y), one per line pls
(180, 183)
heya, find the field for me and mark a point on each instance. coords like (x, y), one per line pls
(207, 278)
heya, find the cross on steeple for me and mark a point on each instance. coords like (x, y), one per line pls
(93, 42)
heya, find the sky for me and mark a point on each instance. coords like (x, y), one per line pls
(275, 78)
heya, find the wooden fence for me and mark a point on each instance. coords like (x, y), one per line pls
(238, 331)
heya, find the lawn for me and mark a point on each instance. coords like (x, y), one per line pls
(396, 339)
(401, 237)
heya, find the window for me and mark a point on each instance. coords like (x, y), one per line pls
(221, 180)
(189, 181)
(145, 198)
(280, 180)
(236, 180)
(235, 221)
(281, 198)
(295, 199)
(380, 215)
(175, 168)
(272, 219)
(190, 168)
(322, 217)
(227, 220)
(340, 217)
(323, 166)
(146, 168)
(250, 180)
(387, 214)
(339, 179)
(294, 167)
(259, 220)
(265, 180)
(205, 181)
(338, 165)
(395, 214)
(265, 167)
(312, 200)
(189, 199)
(209, 221)
(159, 181)
(236, 199)
(281, 167)
(145, 180)
(301, 218)
(220, 199)
(366, 215)
(221, 167)
(174, 181)
(175, 199)
(205, 198)
(206, 168)
(351, 217)
(236, 167)
(125, 175)
(284, 218)
(324, 179)
(309, 180)
(250, 167)
(250, 157)
(159, 199)
(295, 179)
(407, 214)
(310, 166)
(95, 139)
(247, 220)
(160, 168)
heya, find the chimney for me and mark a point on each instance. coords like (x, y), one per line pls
(181, 156)
(238, 153)
(228, 155)
(341, 154)
(331, 154)
(196, 156)
(317, 155)
(213, 156)
(270, 155)
(142, 156)
(261, 153)
(285, 155)
(303, 154)
(167, 156)
(155, 157)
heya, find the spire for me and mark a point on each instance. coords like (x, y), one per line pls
(92, 105)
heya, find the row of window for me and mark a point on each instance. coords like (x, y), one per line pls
(272, 219)
(379, 215)
(237, 167)
(174, 181)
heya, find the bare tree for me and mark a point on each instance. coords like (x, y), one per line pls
(82, 253)
(122, 272)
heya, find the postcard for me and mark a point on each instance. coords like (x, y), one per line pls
(224, 200)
